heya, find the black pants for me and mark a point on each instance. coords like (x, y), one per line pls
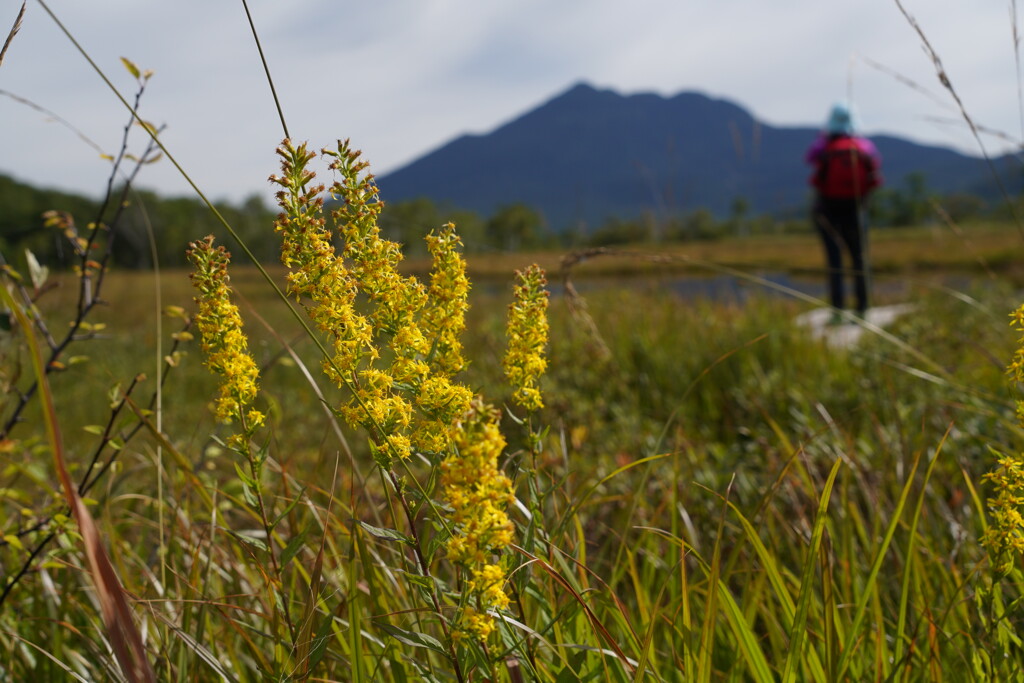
(841, 226)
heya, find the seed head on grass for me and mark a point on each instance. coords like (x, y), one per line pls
(223, 340)
(524, 361)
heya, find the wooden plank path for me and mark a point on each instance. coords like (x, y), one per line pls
(849, 332)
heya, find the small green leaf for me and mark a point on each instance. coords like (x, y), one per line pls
(250, 540)
(36, 272)
(114, 396)
(150, 128)
(93, 429)
(412, 638)
(243, 476)
(320, 642)
(387, 534)
(175, 312)
(132, 69)
(250, 496)
(289, 508)
(293, 547)
(419, 580)
(248, 487)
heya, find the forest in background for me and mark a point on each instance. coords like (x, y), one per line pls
(175, 221)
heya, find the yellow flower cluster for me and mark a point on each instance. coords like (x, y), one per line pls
(223, 341)
(524, 361)
(444, 318)
(369, 309)
(1016, 367)
(478, 492)
(441, 403)
(1004, 538)
(315, 271)
(397, 347)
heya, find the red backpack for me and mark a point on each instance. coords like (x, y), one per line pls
(845, 171)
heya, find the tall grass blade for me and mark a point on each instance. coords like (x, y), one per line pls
(747, 640)
(911, 543)
(869, 582)
(629, 664)
(797, 637)
(707, 634)
(266, 68)
(769, 564)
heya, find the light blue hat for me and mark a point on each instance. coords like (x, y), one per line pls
(840, 121)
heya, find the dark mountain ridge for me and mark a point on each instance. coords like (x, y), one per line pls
(590, 154)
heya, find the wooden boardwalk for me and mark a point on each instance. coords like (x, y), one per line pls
(850, 331)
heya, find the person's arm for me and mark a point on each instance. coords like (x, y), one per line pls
(874, 160)
(869, 148)
(813, 155)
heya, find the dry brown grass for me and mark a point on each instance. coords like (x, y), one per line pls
(985, 245)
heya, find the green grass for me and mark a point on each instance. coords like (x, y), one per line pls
(678, 498)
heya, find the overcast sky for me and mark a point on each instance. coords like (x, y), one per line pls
(402, 77)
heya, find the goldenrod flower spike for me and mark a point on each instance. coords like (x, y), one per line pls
(315, 271)
(1004, 538)
(444, 318)
(223, 341)
(478, 493)
(524, 361)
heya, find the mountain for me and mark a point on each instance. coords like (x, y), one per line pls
(590, 154)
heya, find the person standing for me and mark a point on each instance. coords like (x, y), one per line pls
(846, 170)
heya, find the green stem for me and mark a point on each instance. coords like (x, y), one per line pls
(425, 571)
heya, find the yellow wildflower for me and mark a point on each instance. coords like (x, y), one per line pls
(315, 270)
(477, 492)
(444, 318)
(223, 341)
(472, 624)
(1004, 538)
(524, 361)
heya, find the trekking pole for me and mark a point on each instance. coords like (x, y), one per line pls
(865, 247)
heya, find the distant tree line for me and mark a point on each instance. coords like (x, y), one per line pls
(146, 223)
(910, 203)
(172, 222)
